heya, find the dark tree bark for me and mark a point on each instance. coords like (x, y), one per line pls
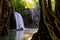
(49, 5)
(5, 14)
(49, 26)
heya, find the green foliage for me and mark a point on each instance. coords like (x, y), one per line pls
(29, 3)
(22, 5)
(17, 4)
(53, 4)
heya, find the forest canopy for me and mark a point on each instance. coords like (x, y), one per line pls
(23, 3)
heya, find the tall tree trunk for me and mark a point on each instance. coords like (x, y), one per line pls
(49, 5)
(5, 13)
(57, 14)
(49, 28)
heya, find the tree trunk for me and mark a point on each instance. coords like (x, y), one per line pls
(49, 26)
(5, 13)
(49, 5)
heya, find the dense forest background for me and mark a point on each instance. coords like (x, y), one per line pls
(28, 9)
